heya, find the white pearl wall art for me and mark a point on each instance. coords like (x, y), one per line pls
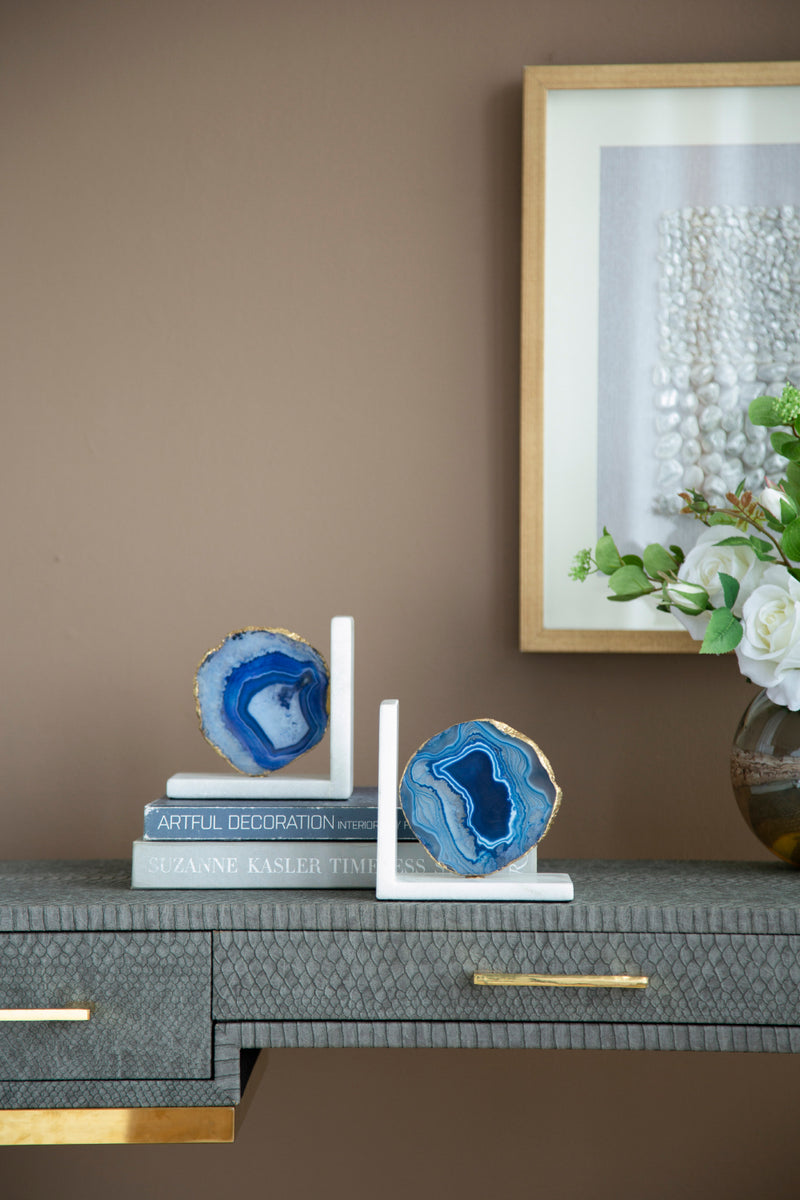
(729, 330)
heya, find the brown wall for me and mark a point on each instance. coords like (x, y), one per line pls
(260, 365)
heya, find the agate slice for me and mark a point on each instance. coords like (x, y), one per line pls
(479, 796)
(262, 698)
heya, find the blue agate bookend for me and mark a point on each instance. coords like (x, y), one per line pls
(264, 697)
(479, 795)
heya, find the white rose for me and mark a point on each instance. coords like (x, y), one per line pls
(769, 652)
(702, 566)
(707, 558)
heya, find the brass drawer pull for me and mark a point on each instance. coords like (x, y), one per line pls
(45, 1014)
(493, 979)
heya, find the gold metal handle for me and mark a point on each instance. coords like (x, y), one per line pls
(495, 979)
(45, 1014)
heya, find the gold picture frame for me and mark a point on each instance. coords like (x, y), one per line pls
(570, 115)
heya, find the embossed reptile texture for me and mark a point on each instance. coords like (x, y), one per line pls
(149, 998)
(518, 1035)
(694, 978)
(657, 897)
(105, 1093)
(223, 1089)
(719, 941)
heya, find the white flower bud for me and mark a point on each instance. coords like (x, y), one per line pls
(689, 598)
(770, 501)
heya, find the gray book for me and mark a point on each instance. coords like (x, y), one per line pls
(195, 864)
(355, 820)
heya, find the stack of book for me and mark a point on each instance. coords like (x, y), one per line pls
(267, 844)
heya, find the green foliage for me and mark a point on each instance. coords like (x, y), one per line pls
(762, 411)
(658, 561)
(724, 632)
(791, 483)
(786, 444)
(763, 550)
(581, 565)
(696, 503)
(790, 542)
(776, 410)
(787, 407)
(629, 582)
(789, 510)
(730, 588)
(606, 554)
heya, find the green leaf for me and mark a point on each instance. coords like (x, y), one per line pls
(782, 441)
(630, 582)
(730, 588)
(764, 551)
(762, 411)
(788, 511)
(632, 560)
(720, 518)
(790, 448)
(658, 561)
(723, 633)
(606, 554)
(791, 484)
(790, 542)
(677, 554)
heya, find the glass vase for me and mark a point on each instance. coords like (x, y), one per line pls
(765, 772)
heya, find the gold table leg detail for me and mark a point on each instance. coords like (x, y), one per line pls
(114, 1126)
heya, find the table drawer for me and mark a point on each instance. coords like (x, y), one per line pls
(692, 978)
(149, 996)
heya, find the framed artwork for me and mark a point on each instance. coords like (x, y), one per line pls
(660, 294)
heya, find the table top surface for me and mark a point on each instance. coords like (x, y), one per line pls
(658, 897)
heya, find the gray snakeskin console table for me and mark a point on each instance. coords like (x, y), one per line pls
(184, 987)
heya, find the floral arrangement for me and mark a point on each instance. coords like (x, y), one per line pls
(738, 588)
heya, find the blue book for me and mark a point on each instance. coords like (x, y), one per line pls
(355, 820)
